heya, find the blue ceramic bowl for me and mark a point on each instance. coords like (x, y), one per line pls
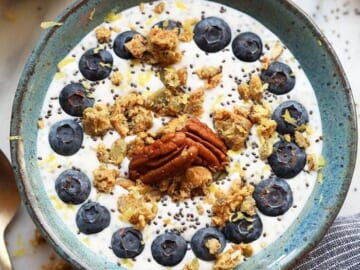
(307, 44)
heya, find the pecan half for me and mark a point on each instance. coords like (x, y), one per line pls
(174, 152)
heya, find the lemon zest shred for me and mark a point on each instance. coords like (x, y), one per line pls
(112, 16)
(48, 24)
(65, 62)
(92, 13)
(287, 117)
(180, 5)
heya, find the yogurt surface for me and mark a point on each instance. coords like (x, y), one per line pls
(145, 80)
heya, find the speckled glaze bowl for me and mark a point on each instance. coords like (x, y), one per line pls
(307, 44)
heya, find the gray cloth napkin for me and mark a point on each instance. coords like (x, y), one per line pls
(339, 249)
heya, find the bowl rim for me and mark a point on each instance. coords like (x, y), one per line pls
(20, 164)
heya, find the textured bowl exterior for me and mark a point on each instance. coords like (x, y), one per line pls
(307, 44)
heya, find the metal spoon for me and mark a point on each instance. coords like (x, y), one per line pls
(9, 203)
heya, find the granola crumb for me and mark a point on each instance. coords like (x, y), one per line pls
(38, 240)
(197, 179)
(137, 206)
(301, 140)
(159, 8)
(195, 104)
(229, 259)
(183, 75)
(200, 209)
(312, 162)
(116, 78)
(142, 7)
(40, 124)
(137, 46)
(238, 197)
(211, 74)
(135, 146)
(105, 178)
(193, 265)
(213, 245)
(265, 150)
(103, 34)
(233, 127)
(96, 120)
(187, 34)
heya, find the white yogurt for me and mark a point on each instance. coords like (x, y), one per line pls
(223, 95)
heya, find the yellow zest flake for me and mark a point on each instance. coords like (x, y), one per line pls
(86, 241)
(193, 265)
(21, 250)
(232, 153)
(92, 13)
(321, 161)
(112, 16)
(116, 29)
(48, 24)
(266, 168)
(216, 102)
(151, 20)
(167, 221)
(287, 117)
(129, 75)
(319, 42)
(235, 168)
(59, 75)
(57, 203)
(145, 77)
(65, 62)
(142, 7)
(321, 198)
(14, 138)
(213, 188)
(86, 84)
(320, 178)
(263, 244)
(180, 5)
(127, 263)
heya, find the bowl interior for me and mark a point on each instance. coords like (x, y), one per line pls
(298, 34)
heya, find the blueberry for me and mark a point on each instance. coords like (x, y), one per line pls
(72, 186)
(201, 237)
(92, 217)
(168, 249)
(243, 228)
(287, 159)
(289, 116)
(169, 25)
(273, 196)
(73, 99)
(127, 242)
(280, 78)
(119, 44)
(212, 34)
(96, 64)
(247, 47)
(66, 137)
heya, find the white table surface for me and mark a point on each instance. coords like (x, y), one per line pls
(20, 29)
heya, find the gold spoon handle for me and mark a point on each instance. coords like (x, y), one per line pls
(5, 262)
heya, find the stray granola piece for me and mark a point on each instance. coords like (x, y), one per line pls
(231, 258)
(312, 162)
(266, 128)
(193, 265)
(276, 51)
(96, 120)
(197, 179)
(183, 76)
(136, 146)
(200, 209)
(129, 117)
(213, 245)
(102, 153)
(175, 124)
(187, 34)
(38, 240)
(238, 197)
(162, 48)
(142, 7)
(259, 112)
(103, 34)
(287, 137)
(256, 87)
(159, 8)
(195, 103)
(105, 178)
(301, 140)
(40, 123)
(137, 208)
(116, 78)
(137, 46)
(265, 150)
(170, 78)
(233, 127)
(125, 183)
(117, 151)
(168, 102)
(211, 75)
(244, 91)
